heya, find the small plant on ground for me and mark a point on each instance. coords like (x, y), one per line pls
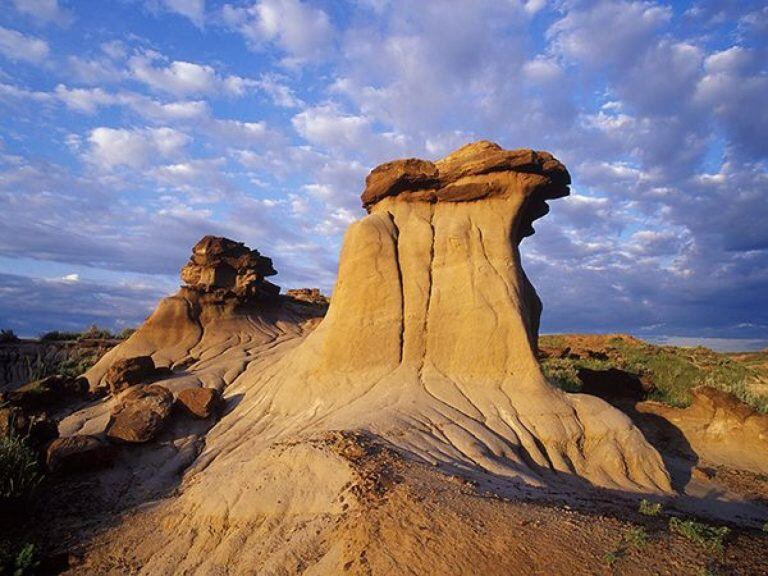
(26, 561)
(648, 508)
(19, 470)
(561, 373)
(637, 537)
(710, 537)
(765, 527)
(614, 555)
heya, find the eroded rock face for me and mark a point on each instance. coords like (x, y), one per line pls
(223, 266)
(719, 428)
(433, 326)
(141, 412)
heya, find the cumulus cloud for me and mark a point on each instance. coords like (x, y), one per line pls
(194, 10)
(182, 78)
(135, 148)
(19, 47)
(44, 11)
(300, 30)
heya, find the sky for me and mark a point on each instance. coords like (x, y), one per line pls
(130, 129)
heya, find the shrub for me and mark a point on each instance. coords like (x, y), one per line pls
(96, 333)
(561, 373)
(649, 508)
(19, 471)
(710, 537)
(56, 335)
(126, 333)
(8, 337)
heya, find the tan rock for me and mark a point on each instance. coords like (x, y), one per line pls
(140, 414)
(719, 428)
(200, 402)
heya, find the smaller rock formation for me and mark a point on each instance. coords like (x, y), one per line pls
(129, 372)
(78, 454)
(140, 413)
(200, 402)
(223, 266)
(719, 428)
(309, 295)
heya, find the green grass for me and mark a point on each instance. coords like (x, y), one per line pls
(648, 508)
(674, 371)
(637, 537)
(21, 561)
(710, 537)
(19, 471)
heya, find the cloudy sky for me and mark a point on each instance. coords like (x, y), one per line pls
(128, 129)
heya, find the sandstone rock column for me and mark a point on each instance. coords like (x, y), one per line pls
(433, 325)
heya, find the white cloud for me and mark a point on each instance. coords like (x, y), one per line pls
(46, 11)
(607, 32)
(327, 127)
(280, 94)
(17, 47)
(239, 134)
(134, 148)
(182, 78)
(194, 10)
(542, 70)
(300, 30)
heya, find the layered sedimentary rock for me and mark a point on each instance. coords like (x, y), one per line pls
(718, 428)
(223, 266)
(204, 331)
(427, 352)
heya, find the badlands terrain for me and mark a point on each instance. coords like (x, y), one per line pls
(416, 424)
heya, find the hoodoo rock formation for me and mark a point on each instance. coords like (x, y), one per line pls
(225, 266)
(427, 349)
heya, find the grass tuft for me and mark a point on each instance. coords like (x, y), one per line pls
(709, 537)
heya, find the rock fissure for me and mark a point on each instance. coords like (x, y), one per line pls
(430, 288)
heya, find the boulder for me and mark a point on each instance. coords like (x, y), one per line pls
(225, 267)
(140, 414)
(129, 372)
(200, 402)
(78, 454)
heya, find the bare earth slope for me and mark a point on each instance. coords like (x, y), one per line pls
(354, 448)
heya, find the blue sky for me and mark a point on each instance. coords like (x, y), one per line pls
(128, 129)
